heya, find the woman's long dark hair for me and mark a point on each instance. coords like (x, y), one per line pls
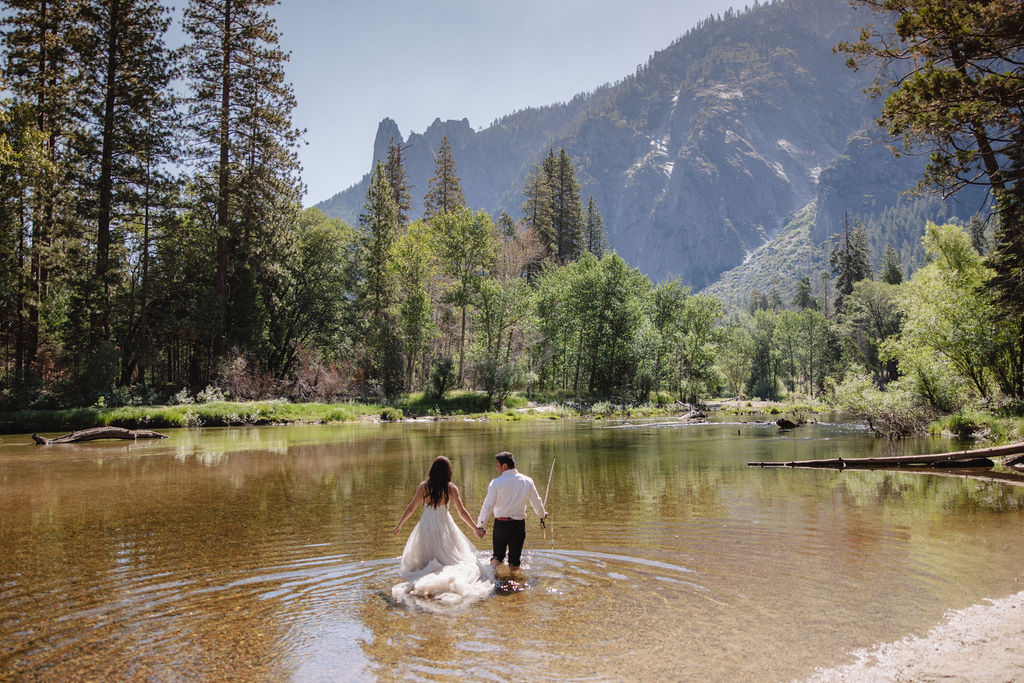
(437, 481)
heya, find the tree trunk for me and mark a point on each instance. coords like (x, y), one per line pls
(223, 175)
(462, 346)
(100, 433)
(106, 182)
(952, 459)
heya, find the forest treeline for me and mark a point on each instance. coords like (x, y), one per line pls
(153, 240)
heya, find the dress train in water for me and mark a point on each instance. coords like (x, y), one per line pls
(440, 565)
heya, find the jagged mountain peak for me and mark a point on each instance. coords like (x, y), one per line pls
(695, 160)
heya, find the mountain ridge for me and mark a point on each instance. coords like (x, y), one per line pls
(703, 155)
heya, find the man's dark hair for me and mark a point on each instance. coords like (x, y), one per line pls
(505, 458)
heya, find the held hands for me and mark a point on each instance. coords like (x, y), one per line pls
(480, 532)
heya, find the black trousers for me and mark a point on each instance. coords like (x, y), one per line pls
(509, 535)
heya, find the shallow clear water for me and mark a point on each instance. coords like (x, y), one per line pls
(266, 553)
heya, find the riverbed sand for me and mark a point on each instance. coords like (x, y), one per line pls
(980, 643)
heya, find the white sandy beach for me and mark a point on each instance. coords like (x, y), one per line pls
(979, 643)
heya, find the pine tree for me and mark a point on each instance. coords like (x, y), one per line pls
(1007, 257)
(850, 264)
(41, 71)
(537, 208)
(976, 229)
(506, 225)
(399, 183)
(566, 210)
(379, 222)
(955, 90)
(129, 117)
(596, 239)
(803, 299)
(444, 193)
(892, 269)
(240, 116)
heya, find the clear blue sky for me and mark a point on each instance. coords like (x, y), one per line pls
(353, 62)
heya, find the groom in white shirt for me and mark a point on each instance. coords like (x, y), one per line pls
(507, 495)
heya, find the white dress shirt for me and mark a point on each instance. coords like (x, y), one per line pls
(507, 495)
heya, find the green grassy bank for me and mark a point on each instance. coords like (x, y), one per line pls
(417, 405)
(980, 425)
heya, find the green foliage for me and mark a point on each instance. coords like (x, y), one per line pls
(765, 357)
(376, 284)
(413, 265)
(399, 182)
(892, 270)
(391, 414)
(306, 301)
(891, 413)
(444, 193)
(442, 379)
(455, 403)
(466, 245)
(554, 210)
(850, 261)
(873, 315)
(803, 298)
(946, 313)
(498, 380)
(595, 238)
(957, 94)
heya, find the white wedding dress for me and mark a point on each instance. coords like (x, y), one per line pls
(440, 566)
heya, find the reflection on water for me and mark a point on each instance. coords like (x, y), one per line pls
(266, 553)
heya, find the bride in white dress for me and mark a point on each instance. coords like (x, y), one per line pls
(439, 564)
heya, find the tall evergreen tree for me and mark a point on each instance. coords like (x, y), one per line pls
(379, 222)
(129, 117)
(537, 207)
(566, 209)
(595, 237)
(506, 225)
(399, 182)
(444, 192)
(1007, 258)
(803, 299)
(850, 263)
(892, 269)
(240, 116)
(40, 40)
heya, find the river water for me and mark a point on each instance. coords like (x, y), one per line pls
(267, 554)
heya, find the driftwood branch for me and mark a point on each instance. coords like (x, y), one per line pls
(1015, 461)
(100, 433)
(978, 457)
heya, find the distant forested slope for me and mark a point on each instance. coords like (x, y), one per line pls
(704, 154)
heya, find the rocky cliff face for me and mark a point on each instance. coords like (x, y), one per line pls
(697, 159)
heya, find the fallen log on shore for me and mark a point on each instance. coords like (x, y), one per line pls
(979, 457)
(100, 433)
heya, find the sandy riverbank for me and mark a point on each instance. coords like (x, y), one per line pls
(980, 643)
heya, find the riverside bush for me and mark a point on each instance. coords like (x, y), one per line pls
(892, 413)
(391, 414)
